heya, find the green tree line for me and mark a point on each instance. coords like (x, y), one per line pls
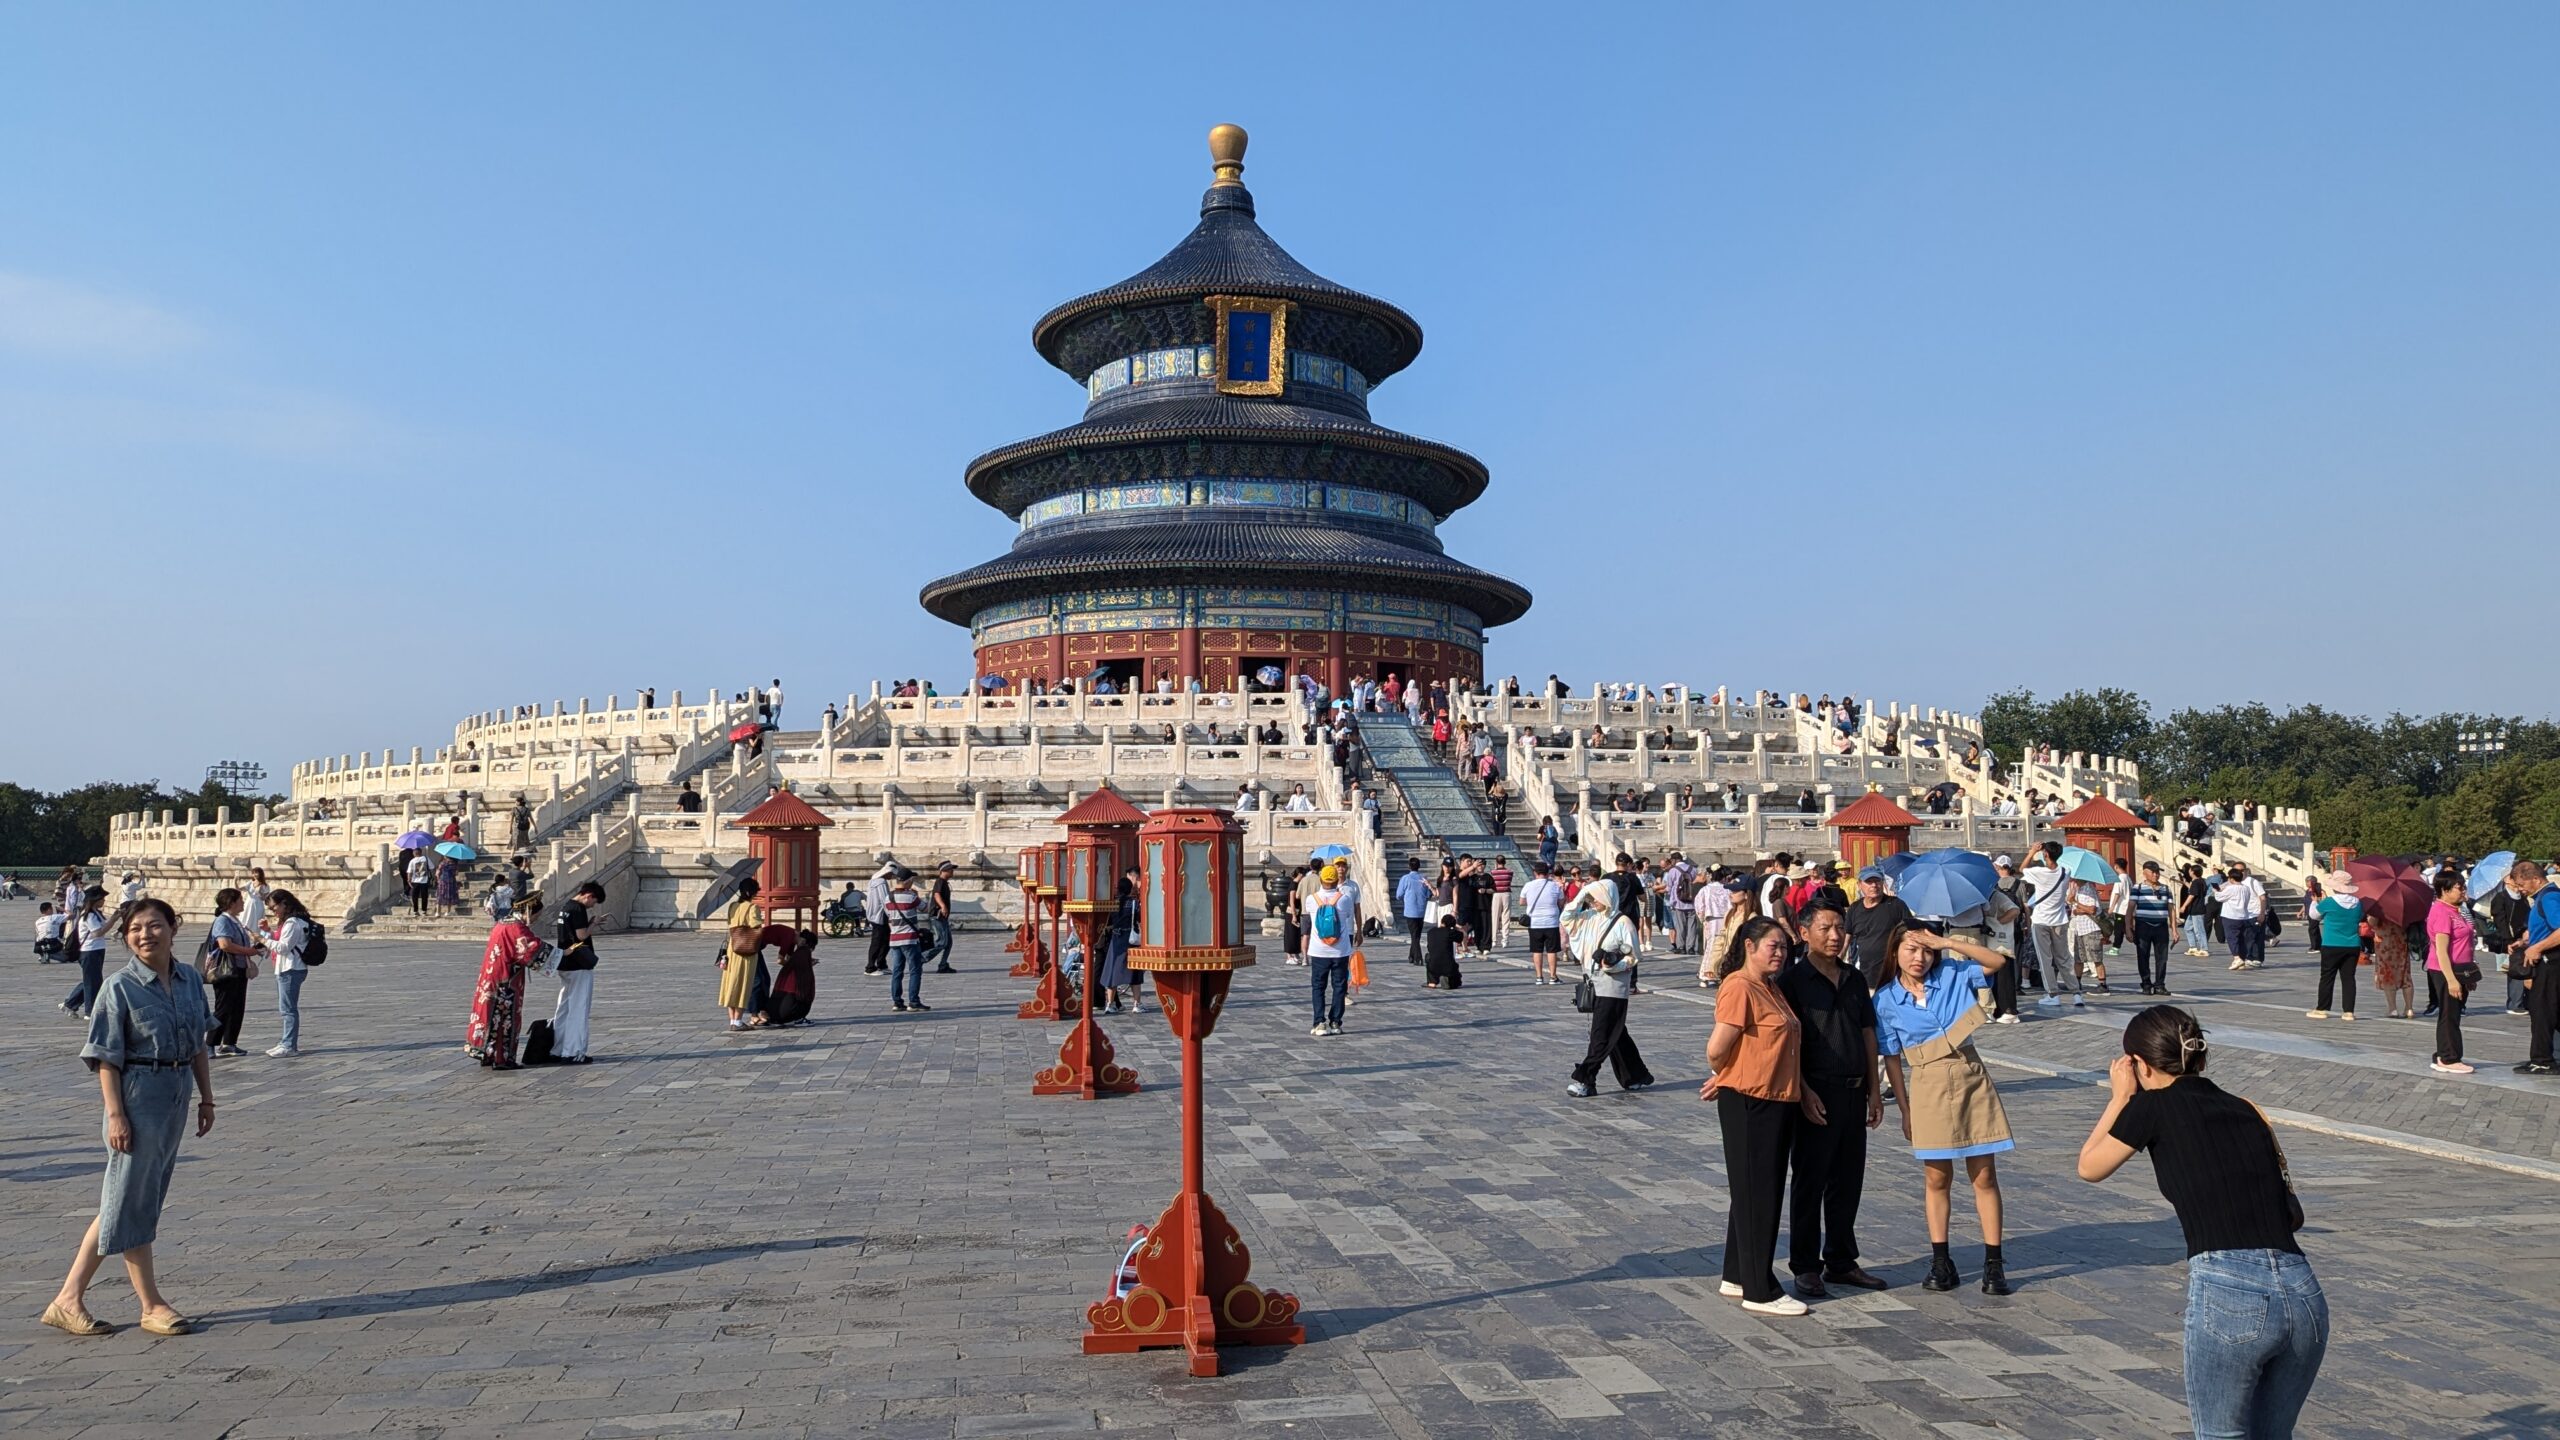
(2401, 785)
(49, 828)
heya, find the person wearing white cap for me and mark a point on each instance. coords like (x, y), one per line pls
(2340, 918)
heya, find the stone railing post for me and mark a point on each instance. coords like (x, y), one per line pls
(1758, 838)
(1759, 764)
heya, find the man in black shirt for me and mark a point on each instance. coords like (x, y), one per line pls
(1872, 917)
(1841, 1102)
(937, 912)
(576, 939)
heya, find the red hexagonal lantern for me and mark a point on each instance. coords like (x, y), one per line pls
(1194, 1285)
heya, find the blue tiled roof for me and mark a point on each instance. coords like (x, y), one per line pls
(1228, 254)
(1211, 417)
(1226, 551)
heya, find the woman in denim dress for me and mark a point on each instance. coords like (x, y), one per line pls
(147, 1045)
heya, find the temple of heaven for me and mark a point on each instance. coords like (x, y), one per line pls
(1225, 509)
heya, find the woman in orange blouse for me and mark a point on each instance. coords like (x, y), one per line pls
(1754, 1055)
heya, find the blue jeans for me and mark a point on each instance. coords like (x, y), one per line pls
(93, 973)
(289, 1006)
(1324, 970)
(2257, 1326)
(2191, 931)
(937, 946)
(908, 961)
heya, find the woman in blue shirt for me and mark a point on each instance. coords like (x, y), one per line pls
(147, 1045)
(1926, 1012)
(2336, 924)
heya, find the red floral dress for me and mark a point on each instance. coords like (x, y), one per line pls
(497, 1007)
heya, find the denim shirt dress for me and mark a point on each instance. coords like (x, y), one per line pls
(136, 1021)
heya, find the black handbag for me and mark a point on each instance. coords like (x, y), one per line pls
(1582, 995)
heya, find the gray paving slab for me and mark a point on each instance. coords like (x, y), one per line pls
(869, 1225)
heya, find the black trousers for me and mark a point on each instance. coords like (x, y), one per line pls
(2542, 1006)
(1755, 1176)
(230, 1003)
(2449, 1010)
(878, 958)
(1413, 939)
(1611, 1042)
(1830, 1165)
(2150, 950)
(2338, 966)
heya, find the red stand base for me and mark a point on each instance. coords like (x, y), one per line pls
(1086, 1067)
(1194, 1290)
(1054, 1001)
(1026, 943)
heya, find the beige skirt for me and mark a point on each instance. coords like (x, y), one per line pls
(1955, 1111)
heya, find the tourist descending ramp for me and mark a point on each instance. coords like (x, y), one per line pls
(1226, 510)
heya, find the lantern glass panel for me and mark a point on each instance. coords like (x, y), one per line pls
(1232, 881)
(1154, 902)
(1079, 868)
(1198, 914)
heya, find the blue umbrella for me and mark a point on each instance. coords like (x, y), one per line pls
(456, 850)
(1943, 884)
(2490, 873)
(1330, 852)
(1893, 865)
(2087, 865)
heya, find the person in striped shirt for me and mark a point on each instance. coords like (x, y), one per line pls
(2152, 902)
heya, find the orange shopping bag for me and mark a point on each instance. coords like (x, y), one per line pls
(1359, 968)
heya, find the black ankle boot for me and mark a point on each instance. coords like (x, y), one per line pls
(1995, 1277)
(1942, 1276)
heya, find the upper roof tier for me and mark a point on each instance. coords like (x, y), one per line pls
(1225, 254)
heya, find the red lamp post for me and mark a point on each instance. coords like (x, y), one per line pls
(1053, 1001)
(1102, 832)
(1026, 936)
(1194, 1287)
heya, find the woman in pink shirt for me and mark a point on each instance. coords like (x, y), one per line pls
(2451, 973)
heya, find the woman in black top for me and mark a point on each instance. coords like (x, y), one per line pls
(2257, 1324)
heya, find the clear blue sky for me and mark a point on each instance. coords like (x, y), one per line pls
(361, 367)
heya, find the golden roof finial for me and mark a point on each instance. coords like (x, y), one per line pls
(1226, 152)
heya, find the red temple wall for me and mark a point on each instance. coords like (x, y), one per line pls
(1218, 657)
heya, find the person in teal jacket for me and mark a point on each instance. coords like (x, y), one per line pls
(2340, 918)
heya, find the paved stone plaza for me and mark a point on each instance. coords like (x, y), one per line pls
(869, 1226)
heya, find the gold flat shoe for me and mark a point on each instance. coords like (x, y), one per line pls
(61, 1319)
(174, 1325)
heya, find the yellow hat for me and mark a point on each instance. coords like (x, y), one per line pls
(1331, 874)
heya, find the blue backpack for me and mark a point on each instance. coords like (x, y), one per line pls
(1329, 921)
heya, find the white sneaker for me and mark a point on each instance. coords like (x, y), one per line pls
(1785, 1304)
(2050, 1000)
(1316, 1030)
(2239, 964)
(1333, 1027)
(2347, 1015)
(2079, 1004)
(1728, 1290)
(2454, 1067)
(2009, 1019)
(1580, 1091)
(2315, 1014)
(281, 1053)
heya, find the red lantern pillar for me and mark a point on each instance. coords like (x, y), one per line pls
(1101, 841)
(1026, 936)
(1194, 1284)
(1053, 1001)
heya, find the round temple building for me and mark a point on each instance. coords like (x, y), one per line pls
(1225, 509)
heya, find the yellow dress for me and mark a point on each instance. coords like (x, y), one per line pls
(738, 977)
